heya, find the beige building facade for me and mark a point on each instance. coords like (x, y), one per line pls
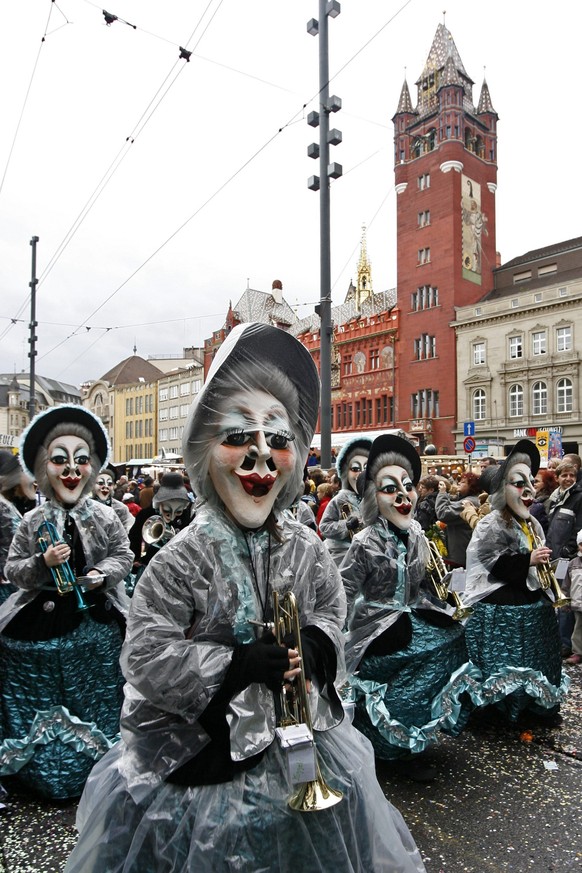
(518, 353)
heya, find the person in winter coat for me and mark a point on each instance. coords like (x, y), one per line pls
(103, 490)
(572, 588)
(17, 496)
(200, 780)
(425, 512)
(342, 517)
(61, 683)
(458, 531)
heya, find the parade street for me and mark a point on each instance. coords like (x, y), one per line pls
(505, 799)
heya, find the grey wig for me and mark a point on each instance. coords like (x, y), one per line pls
(208, 432)
(369, 505)
(41, 460)
(497, 499)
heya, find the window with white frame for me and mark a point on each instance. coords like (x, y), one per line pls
(173, 392)
(163, 434)
(184, 410)
(539, 397)
(424, 181)
(539, 345)
(478, 353)
(164, 414)
(564, 339)
(196, 386)
(515, 401)
(424, 218)
(424, 256)
(163, 394)
(515, 347)
(564, 395)
(173, 412)
(173, 433)
(479, 404)
(184, 389)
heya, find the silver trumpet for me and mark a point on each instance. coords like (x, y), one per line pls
(157, 532)
(63, 575)
(315, 795)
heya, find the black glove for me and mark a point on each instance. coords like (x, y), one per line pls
(353, 522)
(261, 661)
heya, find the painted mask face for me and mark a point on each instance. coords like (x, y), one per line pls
(104, 487)
(519, 490)
(396, 496)
(172, 509)
(68, 468)
(357, 466)
(254, 458)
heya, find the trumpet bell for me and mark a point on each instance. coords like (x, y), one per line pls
(314, 796)
(155, 531)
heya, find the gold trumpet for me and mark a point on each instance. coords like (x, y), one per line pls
(546, 575)
(437, 571)
(346, 510)
(315, 795)
(62, 575)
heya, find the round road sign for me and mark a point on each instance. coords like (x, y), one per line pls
(469, 445)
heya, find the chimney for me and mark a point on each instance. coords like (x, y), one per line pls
(277, 291)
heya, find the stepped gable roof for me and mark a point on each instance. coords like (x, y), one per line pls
(485, 104)
(347, 311)
(405, 103)
(261, 306)
(132, 370)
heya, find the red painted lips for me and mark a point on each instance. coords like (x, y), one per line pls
(71, 482)
(255, 485)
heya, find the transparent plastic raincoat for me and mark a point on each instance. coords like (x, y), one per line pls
(157, 803)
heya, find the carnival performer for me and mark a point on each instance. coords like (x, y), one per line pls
(17, 496)
(103, 490)
(342, 517)
(199, 780)
(172, 505)
(60, 680)
(513, 633)
(404, 649)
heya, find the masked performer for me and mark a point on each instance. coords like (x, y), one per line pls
(59, 661)
(17, 496)
(103, 491)
(174, 509)
(408, 650)
(199, 780)
(513, 634)
(342, 517)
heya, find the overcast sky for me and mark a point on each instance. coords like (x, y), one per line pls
(160, 188)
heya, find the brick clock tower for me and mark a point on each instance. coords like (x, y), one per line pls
(445, 154)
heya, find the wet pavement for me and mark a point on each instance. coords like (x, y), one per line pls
(505, 799)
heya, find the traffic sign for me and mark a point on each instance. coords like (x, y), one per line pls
(469, 444)
(469, 428)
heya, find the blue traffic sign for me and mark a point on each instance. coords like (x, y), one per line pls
(469, 428)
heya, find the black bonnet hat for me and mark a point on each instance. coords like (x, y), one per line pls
(171, 488)
(390, 443)
(492, 476)
(42, 424)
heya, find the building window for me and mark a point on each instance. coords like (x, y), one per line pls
(479, 405)
(163, 394)
(424, 256)
(515, 347)
(184, 389)
(564, 339)
(173, 412)
(562, 292)
(478, 354)
(515, 303)
(537, 298)
(547, 270)
(196, 386)
(564, 395)
(425, 297)
(524, 276)
(515, 401)
(540, 398)
(184, 410)
(374, 359)
(347, 365)
(424, 218)
(424, 181)
(163, 434)
(164, 414)
(173, 392)
(538, 342)
(478, 310)
(173, 433)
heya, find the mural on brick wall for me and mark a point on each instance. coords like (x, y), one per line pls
(474, 227)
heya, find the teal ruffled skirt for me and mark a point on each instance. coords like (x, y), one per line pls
(60, 706)
(517, 649)
(405, 699)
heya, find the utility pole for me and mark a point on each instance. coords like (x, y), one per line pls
(33, 337)
(327, 171)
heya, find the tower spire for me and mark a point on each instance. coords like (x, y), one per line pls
(364, 281)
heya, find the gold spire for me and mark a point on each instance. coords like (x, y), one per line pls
(364, 284)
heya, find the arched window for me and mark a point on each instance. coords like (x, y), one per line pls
(564, 395)
(479, 405)
(539, 398)
(515, 401)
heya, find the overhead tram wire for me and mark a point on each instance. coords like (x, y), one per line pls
(228, 181)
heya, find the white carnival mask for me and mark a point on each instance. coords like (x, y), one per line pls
(396, 495)
(68, 467)
(104, 487)
(519, 490)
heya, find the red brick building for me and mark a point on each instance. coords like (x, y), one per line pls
(445, 154)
